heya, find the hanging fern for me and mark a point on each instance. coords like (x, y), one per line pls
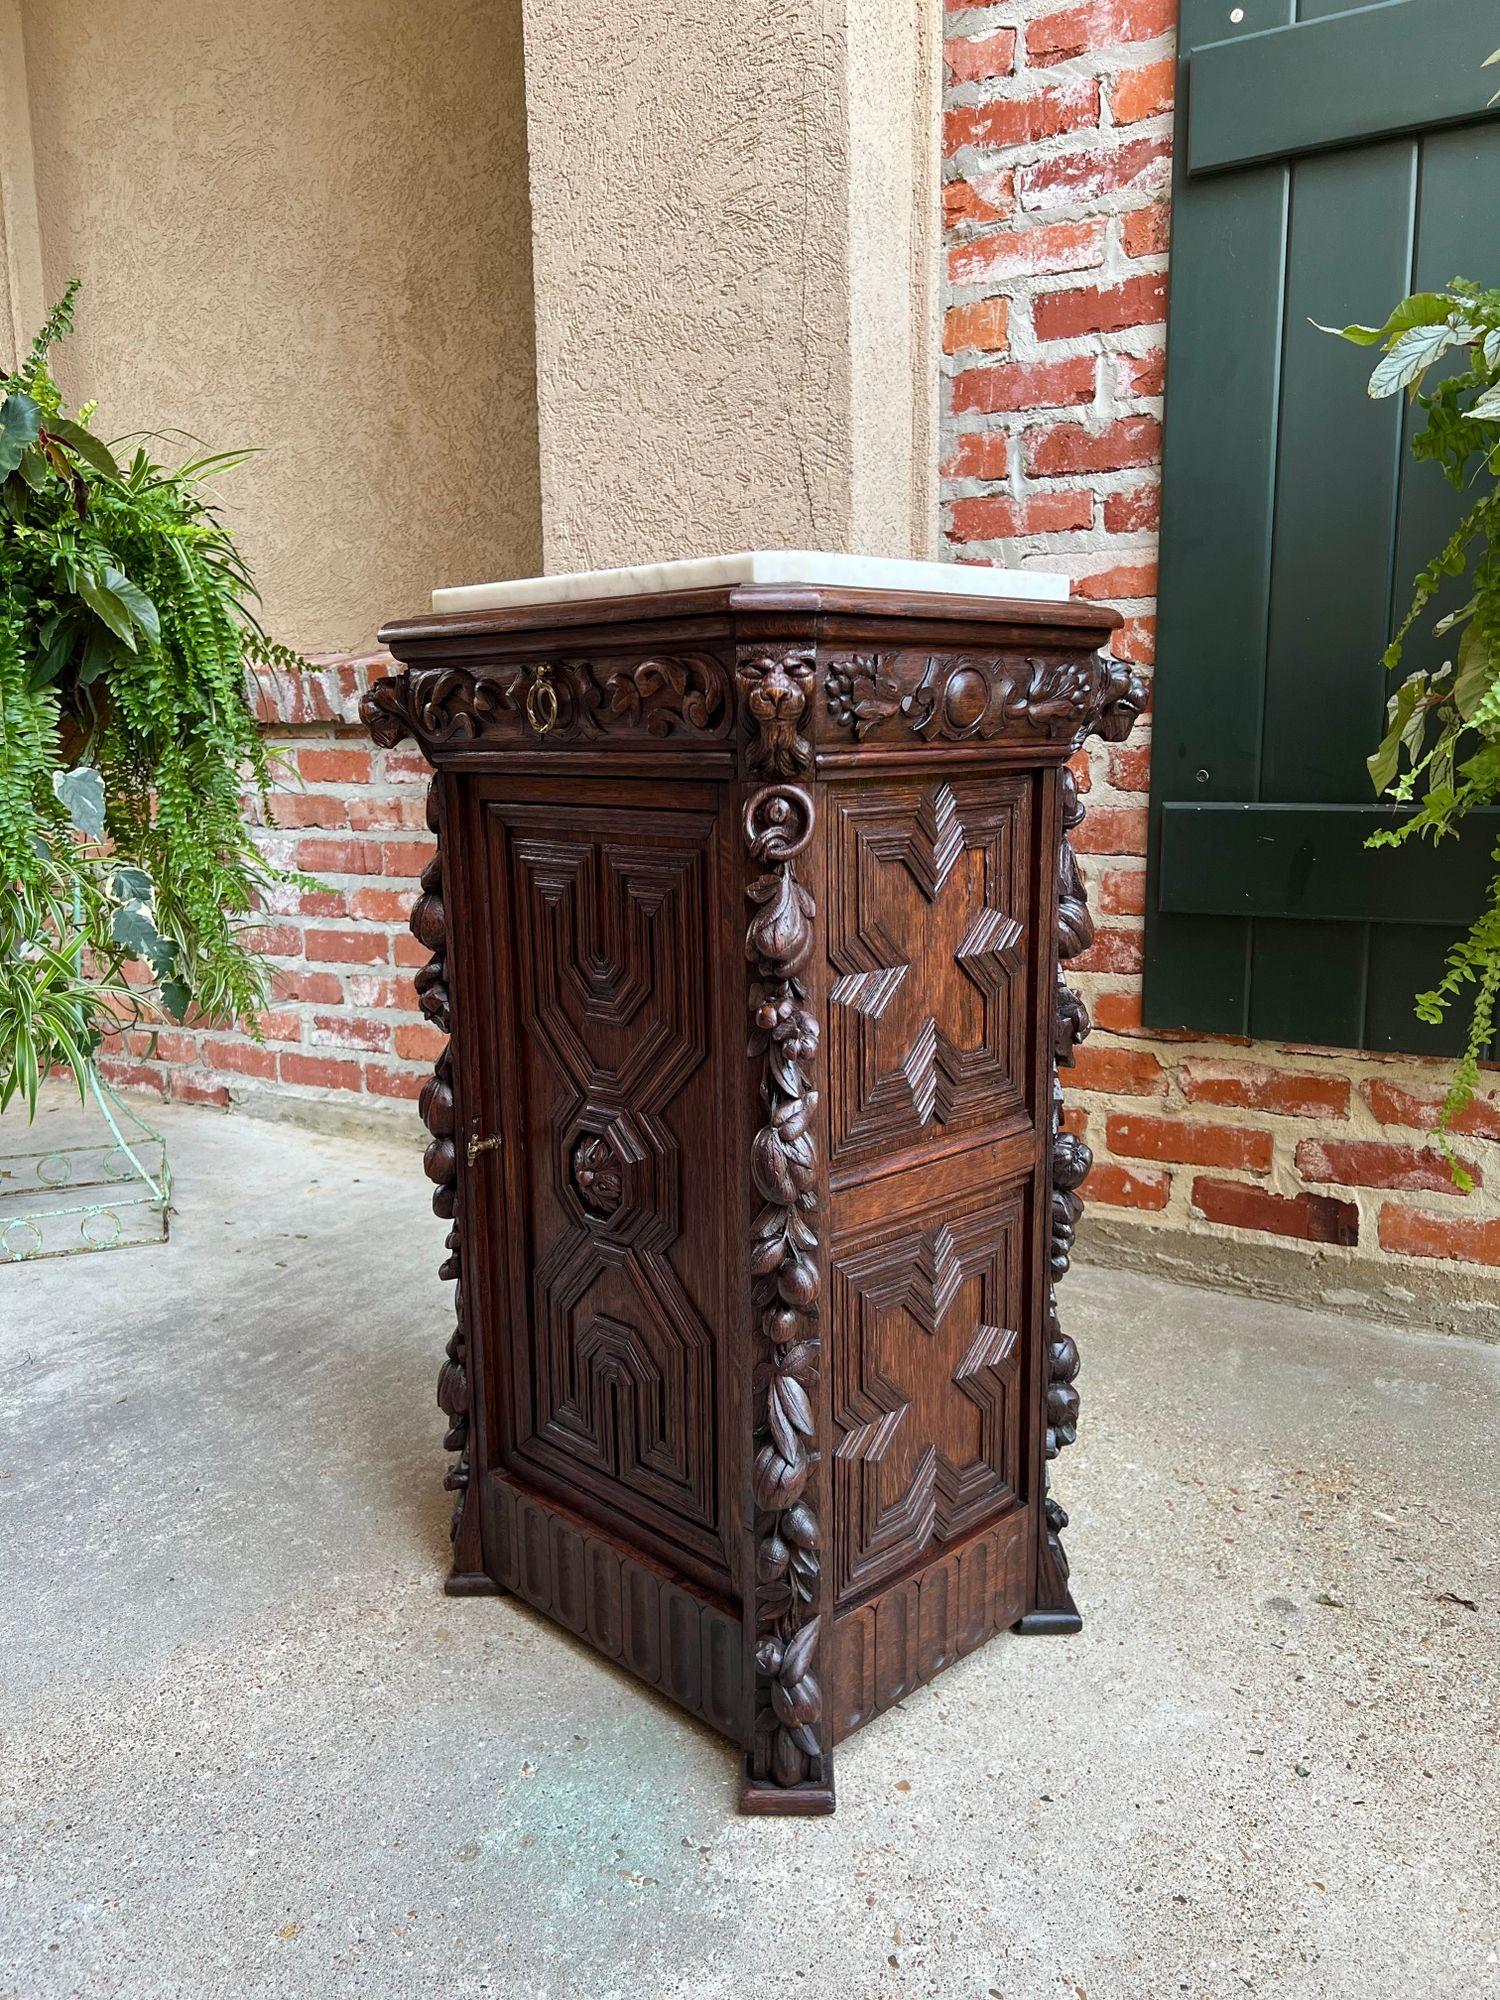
(1441, 750)
(128, 875)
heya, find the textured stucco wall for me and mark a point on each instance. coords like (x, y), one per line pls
(303, 224)
(893, 254)
(702, 184)
(20, 251)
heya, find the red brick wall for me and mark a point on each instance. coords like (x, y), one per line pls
(344, 1017)
(1057, 138)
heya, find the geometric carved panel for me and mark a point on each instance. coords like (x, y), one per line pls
(615, 1375)
(927, 940)
(926, 1390)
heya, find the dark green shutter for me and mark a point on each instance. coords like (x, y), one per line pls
(1328, 161)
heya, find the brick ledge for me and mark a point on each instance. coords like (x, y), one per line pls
(1416, 1296)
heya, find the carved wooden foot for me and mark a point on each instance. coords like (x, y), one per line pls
(762, 1795)
(1051, 1621)
(472, 1583)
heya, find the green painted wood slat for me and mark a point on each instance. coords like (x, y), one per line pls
(1294, 519)
(1311, 863)
(1364, 74)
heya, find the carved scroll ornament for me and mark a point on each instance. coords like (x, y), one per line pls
(956, 697)
(786, 1286)
(664, 695)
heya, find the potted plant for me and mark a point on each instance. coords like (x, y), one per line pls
(129, 880)
(1441, 751)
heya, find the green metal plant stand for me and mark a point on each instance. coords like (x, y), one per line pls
(109, 1191)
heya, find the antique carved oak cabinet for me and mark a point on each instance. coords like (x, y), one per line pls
(747, 926)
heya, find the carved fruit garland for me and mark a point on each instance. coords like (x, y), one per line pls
(429, 927)
(786, 1282)
(1119, 698)
(391, 710)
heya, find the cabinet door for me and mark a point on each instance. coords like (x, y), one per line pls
(598, 950)
(928, 1429)
(928, 940)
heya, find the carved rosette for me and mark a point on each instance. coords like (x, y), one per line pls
(594, 1170)
(787, 1281)
(1119, 696)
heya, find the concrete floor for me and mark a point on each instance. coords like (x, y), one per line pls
(249, 1749)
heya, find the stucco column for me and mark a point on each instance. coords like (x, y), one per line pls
(21, 304)
(734, 271)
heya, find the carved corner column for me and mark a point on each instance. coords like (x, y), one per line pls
(1120, 698)
(788, 1762)
(384, 711)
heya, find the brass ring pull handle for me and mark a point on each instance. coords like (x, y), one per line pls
(541, 699)
(478, 1146)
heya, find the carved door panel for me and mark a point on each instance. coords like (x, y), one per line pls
(600, 955)
(929, 911)
(927, 1388)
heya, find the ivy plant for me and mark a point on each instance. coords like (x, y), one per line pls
(1440, 754)
(129, 879)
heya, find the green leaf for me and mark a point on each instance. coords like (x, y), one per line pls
(1409, 359)
(176, 998)
(1415, 731)
(130, 885)
(133, 930)
(92, 450)
(1453, 618)
(1492, 349)
(1476, 671)
(80, 792)
(1421, 309)
(99, 650)
(105, 605)
(1386, 760)
(20, 420)
(35, 470)
(1487, 406)
(1382, 763)
(56, 643)
(135, 601)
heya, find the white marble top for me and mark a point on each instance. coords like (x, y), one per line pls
(810, 566)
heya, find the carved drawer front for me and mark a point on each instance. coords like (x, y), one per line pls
(602, 944)
(928, 941)
(927, 1357)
